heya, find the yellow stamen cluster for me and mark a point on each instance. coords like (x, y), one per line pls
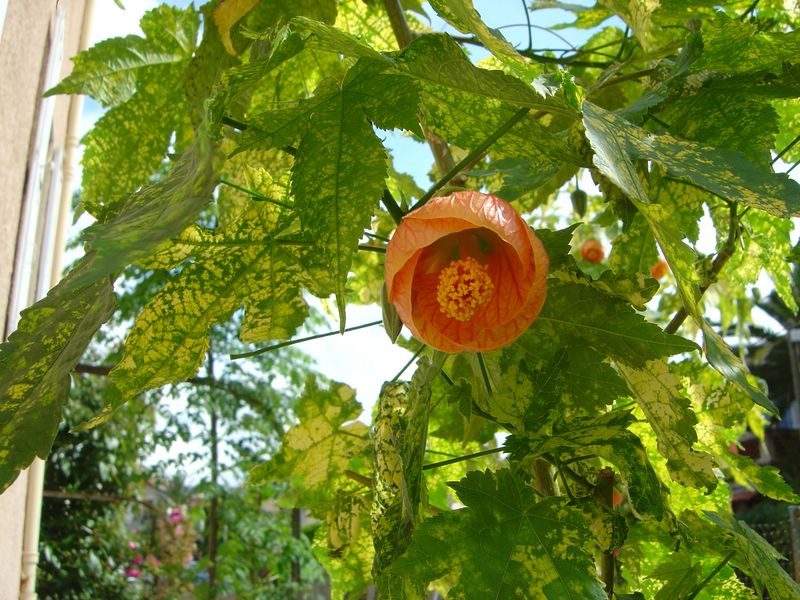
(464, 285)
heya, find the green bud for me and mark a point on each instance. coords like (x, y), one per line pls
(578, 198)
(391, 320)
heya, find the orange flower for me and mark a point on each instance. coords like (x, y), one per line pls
(592, 250)
(659, 269)
(466, 273)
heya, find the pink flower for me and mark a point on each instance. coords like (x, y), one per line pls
(466, 273)
(133, 572)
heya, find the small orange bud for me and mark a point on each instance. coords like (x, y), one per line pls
(592, 250)
(659, 269)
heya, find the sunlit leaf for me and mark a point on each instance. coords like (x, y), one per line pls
(725, 173)
(606, 436)
(129, 142)
(659, 394)
(584, 314)
(756, 557)
(754, 50)
(36, 361)
(536, 547)
(316, 452)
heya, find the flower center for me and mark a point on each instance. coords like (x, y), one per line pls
(464, 285)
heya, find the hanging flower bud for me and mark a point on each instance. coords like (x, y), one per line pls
(466, 273)
(592, 251)
(659, 269)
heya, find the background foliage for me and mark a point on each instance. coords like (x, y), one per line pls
(240, 168)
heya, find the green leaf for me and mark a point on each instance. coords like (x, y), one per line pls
(723, 172)
(634, 250)
(316, 452)
(680, 575)
(400, 432)
(536, 548)
(346, 552)
(754, 50)
(436, 59)
(586, 316)
(607, 134)
(155, 213)
(337, 182)
(606, 436)
(110, 70)
(767, 243)
(242, 264)
(587, 17)
(389, 100)
(130, 141)
(756, 557)
(334, 40)
(539, 377)
(659, 394)
(731, 367)
(463, 16)
(36, 361)
(723, 120)
(766, 480)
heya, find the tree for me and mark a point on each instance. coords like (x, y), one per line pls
(614, 426)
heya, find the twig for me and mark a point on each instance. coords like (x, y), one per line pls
(605, 490)
(458, 459)
(750, 9)
(698, 588)
(391, 206)
(301, 340)
(103, 498)
(723, 256)
(358, 477)
(408, 364)
(788, 147)
(480, 149)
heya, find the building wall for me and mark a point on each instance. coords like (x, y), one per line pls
(27, 38)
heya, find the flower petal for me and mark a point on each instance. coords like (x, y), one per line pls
(432, 236)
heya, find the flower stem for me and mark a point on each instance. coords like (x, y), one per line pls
(300, 340)
(458, 459)
(698, 588)
(480, 149)
(408, 364)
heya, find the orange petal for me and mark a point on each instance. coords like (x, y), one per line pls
(516, 261)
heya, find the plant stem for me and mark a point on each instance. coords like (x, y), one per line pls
(480, 149)
(750, 9)
(605, 491)
(368, 248)
(213, 509)
(255, 195)
(235, 123)
(788, 147)
(459, 459)
(698, 588)
(543, 478)
(404, 36)
(408, 364)
(485, 374)
(301, 340)
(402, 32)
(720, 260)
(391, 206)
